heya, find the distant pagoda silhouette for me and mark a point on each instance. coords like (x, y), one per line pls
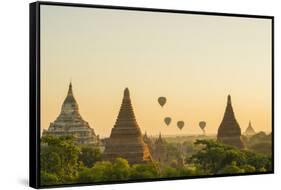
(126, 139)
(70, 122)
(159, 152)
(229, 131)
(250, 130)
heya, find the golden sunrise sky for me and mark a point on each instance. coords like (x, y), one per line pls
(195, 61)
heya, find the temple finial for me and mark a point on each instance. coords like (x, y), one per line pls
(229, 99)
(69, 89)
(126, 92)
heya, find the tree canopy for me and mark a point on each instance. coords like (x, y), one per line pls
(216, 158)
(63, 161)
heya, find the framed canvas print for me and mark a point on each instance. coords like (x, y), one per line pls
(125, 94)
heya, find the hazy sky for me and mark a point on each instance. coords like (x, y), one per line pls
(193, 60)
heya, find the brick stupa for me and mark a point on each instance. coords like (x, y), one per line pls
(229, 131)
(126, 139)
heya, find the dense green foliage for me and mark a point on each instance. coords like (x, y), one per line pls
(144, 171)
(58, 160)
(63, 161)
(89, 155)
(216, 158)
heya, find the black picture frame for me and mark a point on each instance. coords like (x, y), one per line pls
(34, 88)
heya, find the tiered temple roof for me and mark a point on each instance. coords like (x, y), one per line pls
(229, 131)
(70, 122)
(126, 139)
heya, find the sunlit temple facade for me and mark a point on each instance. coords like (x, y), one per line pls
(70, 122)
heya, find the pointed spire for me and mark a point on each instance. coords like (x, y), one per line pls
(70, 93)
(229, 114)
(126, 97)
(70, 122)
(70, 98)
(229, 131)
(126, 116)
(69, 108)
(250, 130)
(126, 93)
(159, 142)
(229, 99)
(70, 102)
(126, 139)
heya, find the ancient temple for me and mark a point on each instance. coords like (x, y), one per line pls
(148, 141)
(159, 152)
(70, 122)
(229, 131)
(126, 139)
(250, 130)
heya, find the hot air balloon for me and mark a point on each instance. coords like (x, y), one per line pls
(162, 101)
(180, 124)
(167, 120)
(202, 125)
